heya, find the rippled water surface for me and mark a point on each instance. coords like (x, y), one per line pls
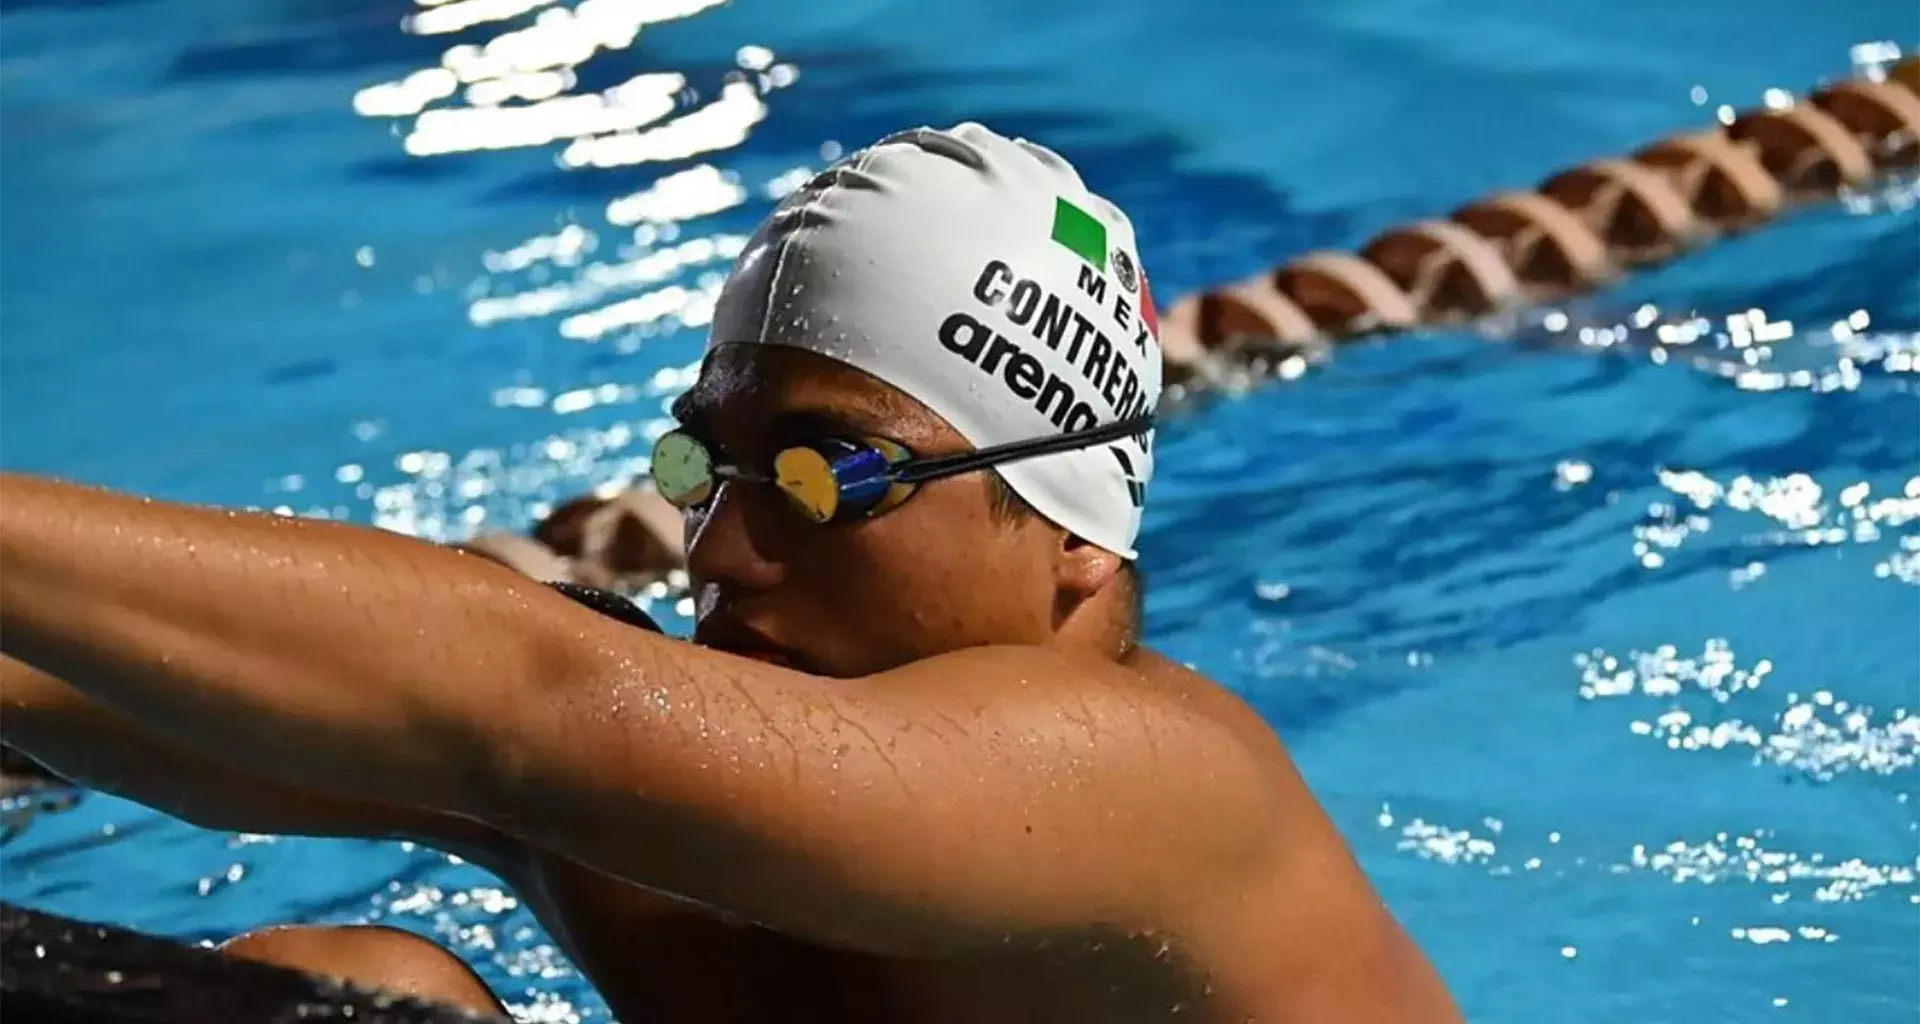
(1599, 641)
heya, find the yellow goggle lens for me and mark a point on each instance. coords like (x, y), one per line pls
(806, 478)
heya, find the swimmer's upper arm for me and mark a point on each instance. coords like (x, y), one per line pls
(957, 803)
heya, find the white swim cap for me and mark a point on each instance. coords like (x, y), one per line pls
(978, 275)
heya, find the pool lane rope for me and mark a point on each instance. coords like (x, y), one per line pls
(1580, 230)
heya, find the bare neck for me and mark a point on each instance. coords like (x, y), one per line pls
(1099, 627)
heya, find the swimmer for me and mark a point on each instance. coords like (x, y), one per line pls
(620, 543)
(915, 764)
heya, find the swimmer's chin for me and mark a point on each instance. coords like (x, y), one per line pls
(744, 643)
(780, 658)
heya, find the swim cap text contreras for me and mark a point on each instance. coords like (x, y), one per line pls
(977, 275)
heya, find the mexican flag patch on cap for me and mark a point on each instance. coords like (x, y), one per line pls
(1080, 232)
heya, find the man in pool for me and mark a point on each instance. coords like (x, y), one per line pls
(915, 764)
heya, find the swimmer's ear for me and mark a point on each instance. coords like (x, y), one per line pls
(1082, 568)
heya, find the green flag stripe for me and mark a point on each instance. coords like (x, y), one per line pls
(1079, 231)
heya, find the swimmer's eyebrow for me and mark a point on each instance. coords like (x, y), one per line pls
(694, 415)
(813, 424)
(689, 411)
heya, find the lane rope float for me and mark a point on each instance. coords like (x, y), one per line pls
(1580, 229)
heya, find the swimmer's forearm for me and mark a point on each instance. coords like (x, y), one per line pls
(90, 745)
(275, 640)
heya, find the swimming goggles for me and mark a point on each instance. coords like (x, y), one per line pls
(836, 479)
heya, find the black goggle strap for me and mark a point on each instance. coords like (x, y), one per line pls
(919, 471)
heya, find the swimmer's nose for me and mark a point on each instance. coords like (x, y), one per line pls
(731, 541)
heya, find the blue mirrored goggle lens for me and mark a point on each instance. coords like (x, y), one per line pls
(834, 479)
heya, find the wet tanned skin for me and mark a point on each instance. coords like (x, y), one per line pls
(913, 772)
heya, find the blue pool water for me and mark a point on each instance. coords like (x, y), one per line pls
(1604, 661)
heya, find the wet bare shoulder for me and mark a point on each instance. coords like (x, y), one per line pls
(1155, 743)
(1308, 936)
(1200, 695)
